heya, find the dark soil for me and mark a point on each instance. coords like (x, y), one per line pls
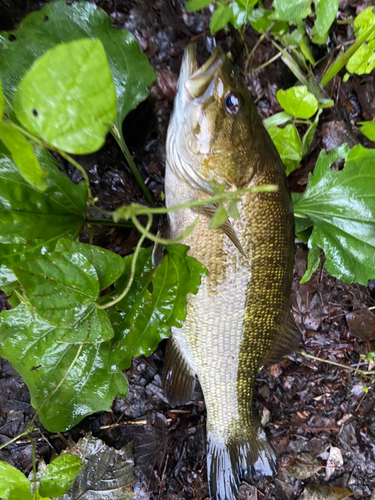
(315, 413)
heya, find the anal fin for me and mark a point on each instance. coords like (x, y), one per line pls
(287, 342)
(178, 377)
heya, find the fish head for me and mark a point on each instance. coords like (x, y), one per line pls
(215, 130)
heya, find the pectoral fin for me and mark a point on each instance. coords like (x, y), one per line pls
(227, 228)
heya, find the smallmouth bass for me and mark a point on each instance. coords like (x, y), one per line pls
(241, 317)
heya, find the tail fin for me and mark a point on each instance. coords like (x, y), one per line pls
(228, 463)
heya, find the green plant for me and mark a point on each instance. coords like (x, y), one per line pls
(56, 480)
(68, 335)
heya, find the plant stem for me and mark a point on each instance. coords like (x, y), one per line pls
(343, 58)
(362, 373)
(262, 66)
(259, 41)
(29, 429)
(108, 222)
(132, 270)
(164, 241)
(117, 134)
(127, 212)
(34, 461)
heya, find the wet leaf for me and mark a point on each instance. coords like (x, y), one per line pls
(334, 462)
(193, 5)
(1, 100)
(305, 467)
(308, 137)
(313, 261)
(31, 221)
(108, 265)
(298, 101)
(13, 484)
(220, 18)
(362, 325)
(363, 60)
(326, 11)
(313, 492)
(342, 207)
(277, 119)
(306, 49)
(291, 11)
(368, 129)
(107, 473)
(63, 289)
(68, 97)
(138, 330)
(288, 144)
(58, 22)
(364, 22)
(23, 156)
(67, 382)
(59, 475)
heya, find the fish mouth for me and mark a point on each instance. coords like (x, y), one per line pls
(198, 79)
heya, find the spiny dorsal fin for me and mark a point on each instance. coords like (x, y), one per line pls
(288, 341)
(227, 227)
(178, 377)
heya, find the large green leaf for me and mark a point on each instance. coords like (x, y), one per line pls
(66, 381)
(364, 22)
(23, 156)
(58, 22)
(288, 144)
(291, 11)
(362, 61)
(63, 289)
(298, 101)
(368, 129)
(342, 208)
(1, 100)
(147, 313)
(68, 98)
(59, 475)
(108, 265)
(31, 222)
(13, 484)
(326, 11)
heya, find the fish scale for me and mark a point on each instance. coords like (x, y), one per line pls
(240, 318)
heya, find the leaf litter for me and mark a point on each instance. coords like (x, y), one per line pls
(314, 407)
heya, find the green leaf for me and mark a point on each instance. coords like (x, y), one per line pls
(13, 484)
(288, 144)
(309, 134)
(306, 49)
(298, 101)
(291, 11)
(67, 382)
(277, 119)
(147, 313)
(58, 22)
(325, 11)
(108, 265)
(364, 23)
(313, 261)
(342, 207)
(59, 475)
(68, 97)
(220, 18)
(1, 101)
(31, 222)
(194, 5)
(23, 156)
(362, 61)
(368, 129)
(239, 14)
(63, 289)
(219, 218)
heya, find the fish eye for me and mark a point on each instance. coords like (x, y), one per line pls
(232, 103)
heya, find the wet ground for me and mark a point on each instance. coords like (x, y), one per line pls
(319, 417)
